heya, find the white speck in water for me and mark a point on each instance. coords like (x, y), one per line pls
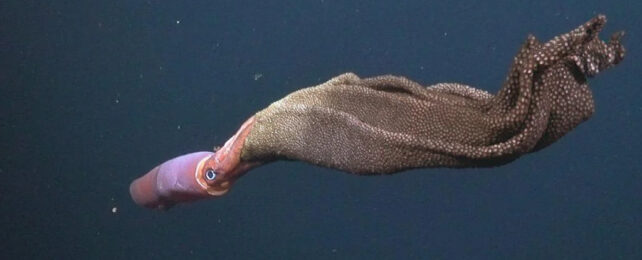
(178, 21)
(116, 101)
(178, 127)
(257, 76)
(114, 210)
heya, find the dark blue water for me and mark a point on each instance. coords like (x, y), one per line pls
(93, 95)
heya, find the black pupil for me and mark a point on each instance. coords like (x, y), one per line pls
(211, 174)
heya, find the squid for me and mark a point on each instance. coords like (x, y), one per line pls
(388, 124)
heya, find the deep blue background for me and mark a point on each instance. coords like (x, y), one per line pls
(94, 94)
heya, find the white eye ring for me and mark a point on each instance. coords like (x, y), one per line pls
(210, 175)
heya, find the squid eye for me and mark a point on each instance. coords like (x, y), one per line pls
(210, 174)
